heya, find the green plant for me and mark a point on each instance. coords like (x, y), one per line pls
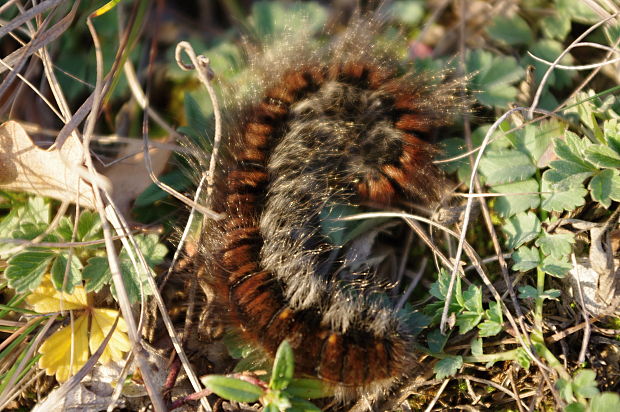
(283, 392)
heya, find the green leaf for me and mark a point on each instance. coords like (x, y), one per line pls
(573, 149)
(436, 340)
(232, 389)
(510, 30)
(134, 278)
(96, 273)
(506, 166)
(603, 156)
(604, 402)
(575, 407)
(584, 383)
(509, 205)
(302, 405)
(521, 228)
(176, 179)
(89, 227)
(555, 266)
(565, 388)
(523, 359)
(283, 367)
(407, 12)
(74, 274)
(549, 50)
(605, 187)
(334, 228)
(26, 269)
(271, 19)
(448, 367)
(578, 11)
(473, 299)
(561, 199)
(37, 210)
(495, 321)
(467, 320)
(530, 292)
(556, 26)
(525, 258)
(537, 139)
(493, 78)
(476, 347)
(558, 245)
(271, 407)
(308, 388)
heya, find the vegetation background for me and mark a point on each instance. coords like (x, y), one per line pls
(91, 96)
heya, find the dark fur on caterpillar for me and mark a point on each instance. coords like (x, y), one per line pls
(343, 124)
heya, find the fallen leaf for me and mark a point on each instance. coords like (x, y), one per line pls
(25, 167)
(130, 177)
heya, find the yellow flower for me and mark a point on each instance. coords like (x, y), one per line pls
(84, 335)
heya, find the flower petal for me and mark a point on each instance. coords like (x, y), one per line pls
(56, 350)
(46, 299)
(102, 321)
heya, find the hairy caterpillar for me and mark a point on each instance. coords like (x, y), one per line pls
(341, 124)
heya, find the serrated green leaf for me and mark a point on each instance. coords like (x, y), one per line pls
(493, 78)
(96, 273)
(557, 245)
(472, 299)
(232, 389)
(556, 26)
(74, 273)
(134, 279)
(283, 367)
(448, 367)
(467, 320)
(26, 269)
(89, 226)
(509, 205)
(521, 228)
(525, 258)
(611, 132)
(561, 199)
(604, 402)
(555, 266)
(37, 210)
(506, 166)
(603, 156)
(584, 383)
(537, 139)
(308, 388)
(602, 186)
(510, 30)
(494, 323)
(578, 11)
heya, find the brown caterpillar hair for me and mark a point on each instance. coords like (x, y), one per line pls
(342, 124)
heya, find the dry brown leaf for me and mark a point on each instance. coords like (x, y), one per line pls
(25, 167)
(130, 177)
